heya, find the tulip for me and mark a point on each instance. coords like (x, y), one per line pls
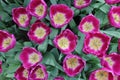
(73, 65)
(7, 41)
(21, 17)
(60, 15)
(66, 41)
(30, 57)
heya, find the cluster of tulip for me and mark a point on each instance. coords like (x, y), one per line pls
(95, 42)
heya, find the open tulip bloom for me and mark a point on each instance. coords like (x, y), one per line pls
(114, 16)
(59, 78)
(22, 74)
(30, 57)
(80, 4)
(112, 1)
(60, 15)
(21, 17)
(7, 41)
(111, 63)
(96, 43)
(89, 24)
(101, 74)
(38, 32)
(37, 8)
(39, 73)
(73, 65)
(66, 41)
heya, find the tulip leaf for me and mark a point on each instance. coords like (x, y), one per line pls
(43, 47)
(26, 2)
(80, 43)
(49, 59)
(53, 1)
(112, 33)
(53, 33)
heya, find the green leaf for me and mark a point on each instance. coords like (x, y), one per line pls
(55, 52)
(43, 47)
(29, 44)
(5, 16)
(112, 33)
(53, 33)
(26, 2)
(53, 1)
(80, 43)
(113, 47)
(49, 59)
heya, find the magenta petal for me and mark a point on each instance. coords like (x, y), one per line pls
(110, 2)
(37, 8)
(96, 43)
(22, 74)
(73, 65)
(21, 17)
(7, 41)
(119, 45)
(80, 4)
(39, 73)
(114, 16)
(101, 74)
(66, 41)
(30, 57)
(60, 15)
(89, 24)
(38, 32)
(111, 63)
(59, 78)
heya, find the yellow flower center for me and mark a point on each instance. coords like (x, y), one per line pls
(39, 10)
(80, 2)
(25, 73)
(101, 75)
(39, 73)
(40, 32)
(34, 58)
(63, 43)
(6, 42)
(116, 17)
(95, 43)
(87, 27)
(109, 60)
(22, 19)
(59, 18)
(72, 63)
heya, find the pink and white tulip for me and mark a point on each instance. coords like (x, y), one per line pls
(7, 41)
(21, 17)
(38, 32)
(30, 57)
(73, 65)
(89, 24)
(37, 8)
(114, 16)
(80, 4)
(66, 41)
(60, 15)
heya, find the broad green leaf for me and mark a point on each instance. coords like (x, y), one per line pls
(53, 1)
(49, 59)
(80, 43)
(29, 44)
(105, 8)
(113, 47)
(26, 2)
(43, 47)
(53, 33)
(112, 33)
